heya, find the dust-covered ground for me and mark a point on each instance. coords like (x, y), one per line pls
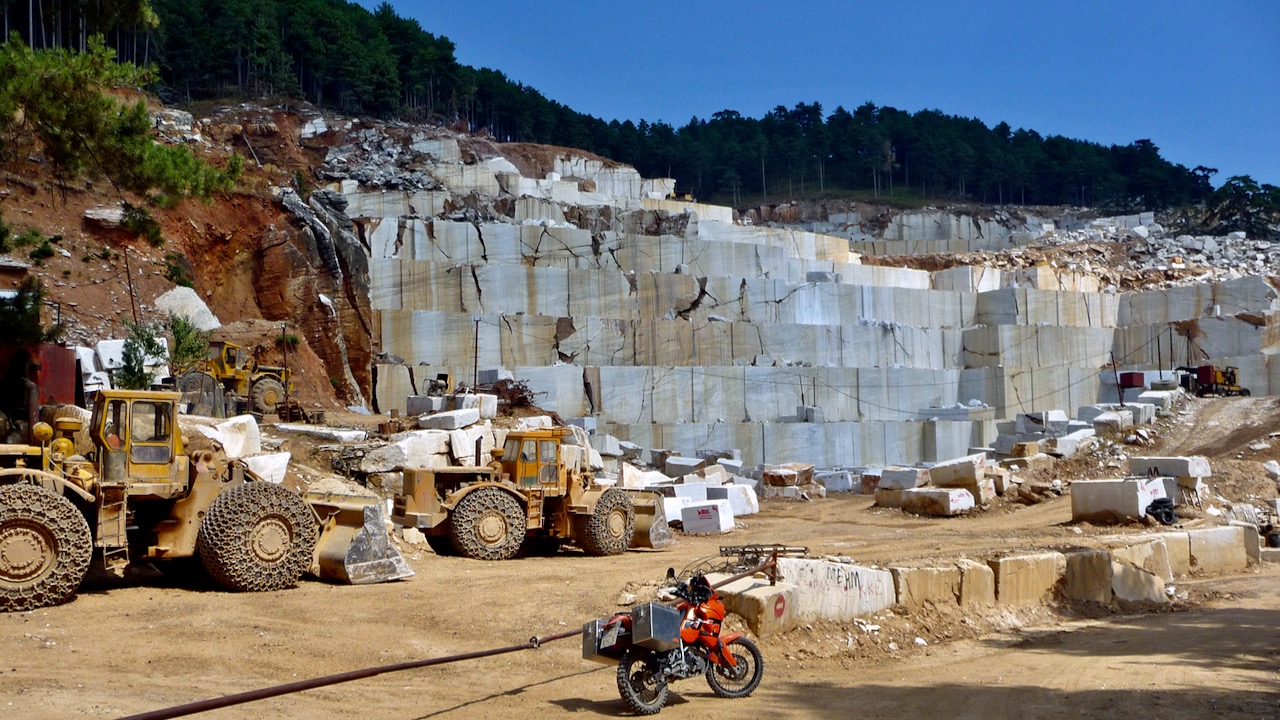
(129, 647)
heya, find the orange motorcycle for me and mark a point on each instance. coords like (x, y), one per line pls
(655, 644)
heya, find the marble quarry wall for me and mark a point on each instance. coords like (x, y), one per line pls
(708, 335)
(928, 232)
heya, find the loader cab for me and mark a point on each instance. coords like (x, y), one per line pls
(229, 357)
(229, 363)
(137, 437)
(532, 459)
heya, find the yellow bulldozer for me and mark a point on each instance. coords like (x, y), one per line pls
(138, 497)
(231, 368)
(527, 497)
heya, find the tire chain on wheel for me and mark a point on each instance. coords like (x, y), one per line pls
(591, 532)
(28, 504)
(223, 541)
(472, 509)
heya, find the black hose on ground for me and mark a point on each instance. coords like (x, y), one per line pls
(278, 690)
(269, 692)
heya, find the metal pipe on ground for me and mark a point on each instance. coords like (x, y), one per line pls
(770, 564)
(270, 692)
(278, 690)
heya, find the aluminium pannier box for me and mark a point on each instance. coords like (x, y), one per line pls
(655, 626)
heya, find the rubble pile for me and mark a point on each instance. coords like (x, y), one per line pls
(1150, 248)
(373, 158)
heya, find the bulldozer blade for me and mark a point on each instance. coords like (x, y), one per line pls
(354, 546)
(652, 529)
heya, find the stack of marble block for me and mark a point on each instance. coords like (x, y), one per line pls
(947, 488)
(701, 497)
(671, 326)
(1183, 480)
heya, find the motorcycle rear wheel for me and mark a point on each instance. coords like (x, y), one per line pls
(740, 681)
(641, 682)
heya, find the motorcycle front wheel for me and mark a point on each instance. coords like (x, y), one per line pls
(740, 681)
(641, 682)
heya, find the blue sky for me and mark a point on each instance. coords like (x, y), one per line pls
(1199, 79)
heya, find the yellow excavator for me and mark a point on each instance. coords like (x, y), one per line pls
(139, 497)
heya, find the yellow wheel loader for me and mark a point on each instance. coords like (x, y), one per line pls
(230, 366)
(527, 496)
(137, 497)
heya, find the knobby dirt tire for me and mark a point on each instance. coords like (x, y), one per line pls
(488, 524)
(640, 683)
(266, 393)
(45, 548)
(608, 529)
(257, 537)
(741, 681)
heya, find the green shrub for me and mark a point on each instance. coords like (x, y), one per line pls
(138, 220)
(176, 269)
(28, 238)
(190, 344)
(288, 341)
(20, 316)
(58, 97)
(42, 251)
(140, 346)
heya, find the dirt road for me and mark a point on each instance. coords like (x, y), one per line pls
(127, 648)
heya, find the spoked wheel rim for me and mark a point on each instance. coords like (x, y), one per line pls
(744, 677)
(736, 679)
(645, 681)
(641, 682)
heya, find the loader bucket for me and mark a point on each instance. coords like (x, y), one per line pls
(354, 546)
(652, 528)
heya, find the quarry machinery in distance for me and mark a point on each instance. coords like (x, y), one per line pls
(1211, 380)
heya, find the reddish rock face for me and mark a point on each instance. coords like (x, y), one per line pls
(280, 275)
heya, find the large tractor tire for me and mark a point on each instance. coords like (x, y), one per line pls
(265, 394)
(257, 537)
(488, 524)
(45, 548)
(608, 529)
